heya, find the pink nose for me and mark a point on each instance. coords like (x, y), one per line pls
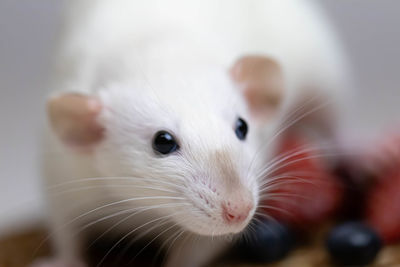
(236, 212)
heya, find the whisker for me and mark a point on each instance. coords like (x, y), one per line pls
(178, 234)
(285, 177)
(276, 168)
(173, 241)
(99, 208)
(284, 199)
(287, 125)
(179, 250)
(276, 208)
(280, 183)
(281, 158)
(284, 195)
(268, 217)
(128, 217)
(155, 238)
(109, 186)
(94, 179)
(285, 120)
(131, 232)
(138, 237)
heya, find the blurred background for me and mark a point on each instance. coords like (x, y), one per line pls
(369, 30)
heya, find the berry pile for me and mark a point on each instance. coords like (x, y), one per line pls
(383, 202)
(303, 193)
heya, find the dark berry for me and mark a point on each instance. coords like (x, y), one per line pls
(268, 241)
(353, 244)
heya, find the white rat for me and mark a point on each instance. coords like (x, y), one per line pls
(162, 108)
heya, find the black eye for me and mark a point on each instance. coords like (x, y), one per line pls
(241, 129)
(164, 143)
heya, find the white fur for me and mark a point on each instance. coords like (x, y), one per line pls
(163, 65)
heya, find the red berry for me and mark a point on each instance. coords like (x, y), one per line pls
(383, 207)
(306, 194)
(384, 156)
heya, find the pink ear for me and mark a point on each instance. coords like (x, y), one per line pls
(73, 118)
(261, 80)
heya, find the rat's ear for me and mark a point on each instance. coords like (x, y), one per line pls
(261, 81)
(73, 118)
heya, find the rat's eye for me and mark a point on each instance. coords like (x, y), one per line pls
(241, 129)
(164, 143)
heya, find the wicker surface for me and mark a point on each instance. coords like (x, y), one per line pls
(18, 251)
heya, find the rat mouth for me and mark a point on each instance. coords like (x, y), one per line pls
(217, 214)
(205, 223)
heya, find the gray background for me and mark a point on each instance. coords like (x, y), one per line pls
(369, 30)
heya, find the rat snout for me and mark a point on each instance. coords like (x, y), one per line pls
(236, 212)
(235, 195)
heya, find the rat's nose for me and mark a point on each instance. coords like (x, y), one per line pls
(236, 212)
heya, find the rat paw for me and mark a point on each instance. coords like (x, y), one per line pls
(57, 263)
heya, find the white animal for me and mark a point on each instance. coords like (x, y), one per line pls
(163, 110)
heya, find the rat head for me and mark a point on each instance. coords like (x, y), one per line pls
(186, 146)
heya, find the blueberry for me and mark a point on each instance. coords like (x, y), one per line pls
(353, 243)
(268, 242)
